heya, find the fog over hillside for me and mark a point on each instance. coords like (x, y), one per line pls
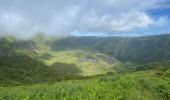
(84, 50)
(24, 18)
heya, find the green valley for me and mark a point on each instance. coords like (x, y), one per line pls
(87, 68)
(84, 50)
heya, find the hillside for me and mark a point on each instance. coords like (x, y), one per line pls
(129, 86)
(118, 68)
(84, 50)
(25, 70)
(32, 61)
(74, 57)
(134, 49)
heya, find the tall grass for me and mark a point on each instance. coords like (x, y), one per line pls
(130, 86)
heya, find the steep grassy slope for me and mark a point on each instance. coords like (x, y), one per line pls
(163, 65)
(134, 49)
(130, 86)
(26, 61)
(23, 69)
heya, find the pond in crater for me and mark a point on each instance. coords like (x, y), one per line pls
(89, 59)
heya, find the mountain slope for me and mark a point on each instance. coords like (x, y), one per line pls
(23, 69)
(128, 86)
(38, 69)
(26, 61)
(134, 49)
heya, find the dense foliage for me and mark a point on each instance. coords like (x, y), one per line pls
(24, 70)
(46, 70)
(154, 65)
(129, 86)
(134, 49)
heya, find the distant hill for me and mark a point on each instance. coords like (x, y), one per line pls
(155, 65)
(141, 50)
(33, 61)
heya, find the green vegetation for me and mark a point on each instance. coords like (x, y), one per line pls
(129, 86)
(25, 70)
(127, 49)
(76, 57)
(25, 61)
(85, 68)
(154, 65)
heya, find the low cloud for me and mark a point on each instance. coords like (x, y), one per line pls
(64, 17)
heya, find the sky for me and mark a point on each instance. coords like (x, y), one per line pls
(24, 18)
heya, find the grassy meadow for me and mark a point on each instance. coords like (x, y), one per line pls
(143, 85)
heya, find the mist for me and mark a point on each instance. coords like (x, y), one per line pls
(25, 18)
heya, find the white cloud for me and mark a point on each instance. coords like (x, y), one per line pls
(69, 16)
(125, 22)
(12, 23)
(161, 21)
